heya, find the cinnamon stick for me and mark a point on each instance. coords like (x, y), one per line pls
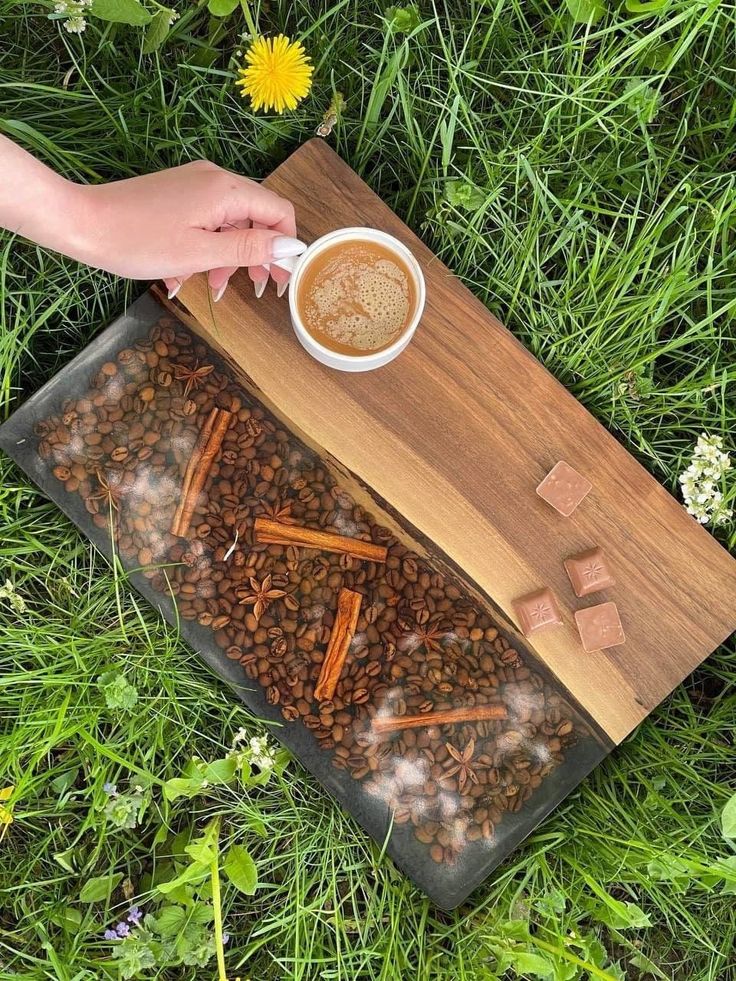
(449, 717)
(202, 468)
(270, 532)
(192, 465)
(343, 631)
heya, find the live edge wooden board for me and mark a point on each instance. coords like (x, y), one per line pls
(456, 434)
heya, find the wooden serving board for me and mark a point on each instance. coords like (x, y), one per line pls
(456, 434)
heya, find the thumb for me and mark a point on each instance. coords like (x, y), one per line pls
(248, 247)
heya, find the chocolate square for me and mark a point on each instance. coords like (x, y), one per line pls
(564, 488)
(537, 610)
(589, 572)
(600, 627)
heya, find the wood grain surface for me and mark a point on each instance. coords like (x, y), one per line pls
(457, 433)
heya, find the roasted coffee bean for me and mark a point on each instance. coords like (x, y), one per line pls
(279, 647)
(371, 613)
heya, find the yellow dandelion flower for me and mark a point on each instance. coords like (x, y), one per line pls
(278, 73)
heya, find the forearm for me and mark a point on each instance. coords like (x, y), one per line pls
(37, 203)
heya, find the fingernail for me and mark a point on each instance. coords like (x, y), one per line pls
(174, 291)
(219, 294)
(260, 287)
(285, 246)
(281, 288)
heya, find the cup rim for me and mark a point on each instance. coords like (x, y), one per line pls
(359, 232)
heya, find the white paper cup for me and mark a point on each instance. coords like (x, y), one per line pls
(361, 362)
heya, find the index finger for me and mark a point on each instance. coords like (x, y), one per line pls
(250, 200)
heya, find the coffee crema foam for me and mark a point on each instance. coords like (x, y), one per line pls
(356, 297)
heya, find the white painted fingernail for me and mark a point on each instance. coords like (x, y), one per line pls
(285, 246)
(219, 294)
(288, 264)
(174, 291)
(260, 287)
(281, 288)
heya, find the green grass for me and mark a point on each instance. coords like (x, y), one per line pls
(597, 219)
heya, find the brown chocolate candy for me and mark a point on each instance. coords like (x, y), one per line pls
(537, 610)
(564, 488)
(600, 627)
(589, 572)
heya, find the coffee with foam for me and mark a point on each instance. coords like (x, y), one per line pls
(356, 297)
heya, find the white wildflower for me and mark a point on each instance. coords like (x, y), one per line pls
(261, 753)
(173, 16)
(700, 483)
(75, 25)
(258, 752)
(240, 737)
(17, 603)
(74, 11)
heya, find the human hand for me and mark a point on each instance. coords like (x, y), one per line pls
(194, 218)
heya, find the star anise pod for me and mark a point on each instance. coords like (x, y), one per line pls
(416, 636)
(429, 637)
(109, 493)
(462, 765)
(192, 377)
(259, 596)
(278, 511)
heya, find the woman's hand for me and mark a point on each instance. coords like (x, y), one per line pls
(166, 225)
(188, 219)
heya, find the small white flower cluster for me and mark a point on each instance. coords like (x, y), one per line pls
(261, 753)
(8, 592)
(174, 16)
(240, 737)
(74, 10)
(701, 481)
